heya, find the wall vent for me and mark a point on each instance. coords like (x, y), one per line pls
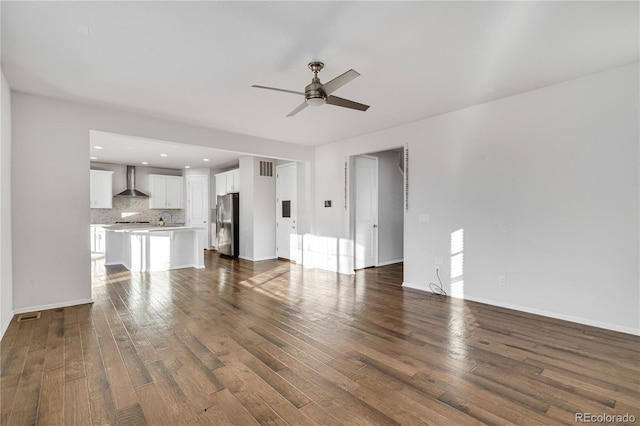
(29, 316)
(266, 168)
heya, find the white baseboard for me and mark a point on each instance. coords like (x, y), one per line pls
(570, 318)
(5, 324)
(258, 259)
(555, 315)
(188, 265)
(52, 306)
(390, 262)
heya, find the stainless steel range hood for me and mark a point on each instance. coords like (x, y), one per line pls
(131, 190)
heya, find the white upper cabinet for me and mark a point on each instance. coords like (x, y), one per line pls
(228, 182)
(101, 189)
(221, 184)
(165, 192)
(233, 181)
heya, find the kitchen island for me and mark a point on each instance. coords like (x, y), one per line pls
(142, 248)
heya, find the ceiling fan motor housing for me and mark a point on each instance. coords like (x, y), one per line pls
(314, 94)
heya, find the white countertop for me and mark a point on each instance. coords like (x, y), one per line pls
(145, 227)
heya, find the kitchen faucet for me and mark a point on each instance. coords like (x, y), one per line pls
(162, 217)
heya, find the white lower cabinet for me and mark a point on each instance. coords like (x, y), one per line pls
(97, 239)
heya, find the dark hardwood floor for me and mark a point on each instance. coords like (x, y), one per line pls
(273, 343)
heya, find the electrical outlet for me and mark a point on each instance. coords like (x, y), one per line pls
(438, 261)
(424, 218)
(502, 280)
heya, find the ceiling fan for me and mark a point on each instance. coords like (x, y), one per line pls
(317, 94)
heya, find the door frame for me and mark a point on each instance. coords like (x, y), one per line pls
(294, 211)
(350, 187)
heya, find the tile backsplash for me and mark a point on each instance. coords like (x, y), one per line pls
(134, 209)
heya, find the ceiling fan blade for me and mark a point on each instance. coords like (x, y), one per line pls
(334, 100)
(278, 90)
(298, 109)
(339, 81)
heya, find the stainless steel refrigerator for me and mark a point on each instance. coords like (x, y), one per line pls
(227, 224)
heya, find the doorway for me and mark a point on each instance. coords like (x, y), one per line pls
(286, 212)
(366, 211)
(377, 213)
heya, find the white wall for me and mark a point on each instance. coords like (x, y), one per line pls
(246, 208)
(257, 211)
(6, 270)
(545, 186)
(264, 204)
(390, 207)
(51, 254)
(303, 197)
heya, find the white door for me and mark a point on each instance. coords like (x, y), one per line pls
(197, 201)
(286, 207)
(366, 211)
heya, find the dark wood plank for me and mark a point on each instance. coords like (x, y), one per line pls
(14, 354)
(51, 407)
(131, 416)
(231, 376)
(27, 398)
(73, 358)
(233, 411)
(116, 371)
(77, 408)
(163, 401)
(8, 388)
(103, 409)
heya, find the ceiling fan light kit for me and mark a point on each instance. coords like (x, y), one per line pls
(316, 93)
(313, 93)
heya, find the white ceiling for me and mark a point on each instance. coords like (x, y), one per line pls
(122, 149)
(195, 61)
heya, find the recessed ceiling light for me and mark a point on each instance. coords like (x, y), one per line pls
(187, 167)
(205, 159)
(145, 162)
(163, 155)
(97, 147)
(93, 158)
